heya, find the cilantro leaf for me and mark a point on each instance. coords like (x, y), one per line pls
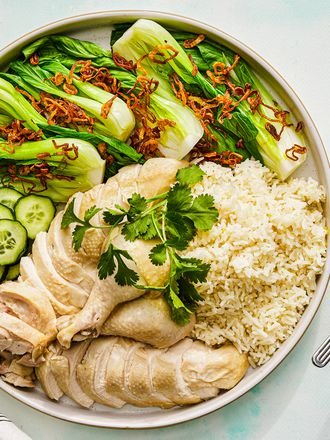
(179, 198)
(113, 259)
(113, 217)
(91, 212)
(158, 254)
(188, 294)
(137, 228)
(192, 269)
(78, 236)
(179, 312)
(179, 230)
(124, 276)
(69, 216)
(138, 204)
(203, 212)
(107, 263)
(190, 175)
(150, 233)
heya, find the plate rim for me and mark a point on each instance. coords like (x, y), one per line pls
(207, 407)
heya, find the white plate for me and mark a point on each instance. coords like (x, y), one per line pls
(96, 27)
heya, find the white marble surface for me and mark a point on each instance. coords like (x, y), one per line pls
(293, 35)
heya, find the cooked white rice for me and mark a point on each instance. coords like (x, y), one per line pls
(265, 253)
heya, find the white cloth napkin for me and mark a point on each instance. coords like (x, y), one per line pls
(9, 431)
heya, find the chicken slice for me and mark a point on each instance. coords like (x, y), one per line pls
(45, 375)
(64, 265)
(91, 374)
(138, 378)
(16, 374)
(148, 320)
(30, 276)
(117, 370)
(167, 375)
(65, 292)
(63, 368)
(29, 305)
(13, 344)
(157, 174)
(127, 178)
(19, 330)
(204, 367)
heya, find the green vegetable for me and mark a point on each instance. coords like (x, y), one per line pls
(3, 270)
(56, 55)
(35, 213)
(175, 141)
(15, 105)
(122, 152)
(67, 51)
(82, 226)
(67, 173)
(13, 272)
(5, 120)
(120, 120)
(174, 218)
(271, 150)
(13, 240)
(9, 196)
(144, 35)
(5, 212)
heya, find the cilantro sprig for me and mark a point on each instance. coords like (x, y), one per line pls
(173, 217)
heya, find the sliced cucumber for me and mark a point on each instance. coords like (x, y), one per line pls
(13, 239)
(6, 213)
(2, 272)
(35, 213)
(9, 197)
(13, 272)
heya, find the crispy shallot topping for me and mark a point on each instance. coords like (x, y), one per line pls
(226, 158)
(240, 144)
(34, 102)
(70, 89)
(188, 44)
(292, 152)
(65, 150)
(158, 56)
(106, 107)
(58, 79)
(195, 68)
(34, 59)
(41, 171)
(62, 112)
(15, 134)
(122, 62)
(300, 126)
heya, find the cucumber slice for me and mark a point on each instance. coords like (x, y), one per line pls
(2, 272)
(6, 213)
(13, 272)
(9, 197)
(13, 239)
(35, 213)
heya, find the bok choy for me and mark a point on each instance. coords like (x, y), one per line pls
(281, 150)
(56, 167)
(119, 122)
(56, 55)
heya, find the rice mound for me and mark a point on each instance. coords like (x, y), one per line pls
(265, 252)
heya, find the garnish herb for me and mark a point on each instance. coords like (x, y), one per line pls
(173, 217)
